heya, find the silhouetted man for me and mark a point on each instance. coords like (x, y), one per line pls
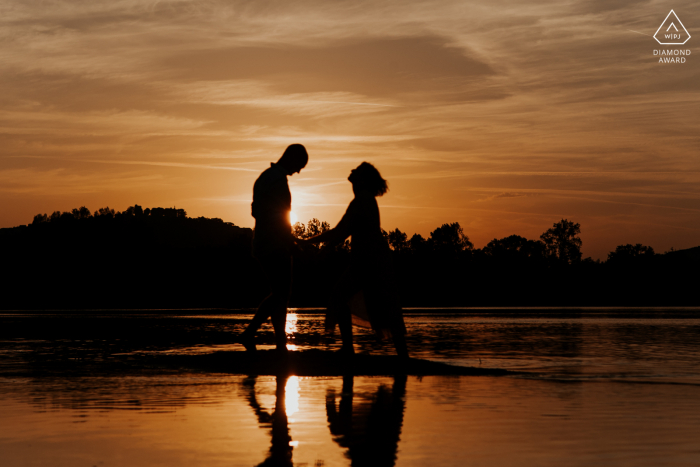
(273, 242)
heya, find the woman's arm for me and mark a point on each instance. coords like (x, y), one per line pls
(337, 234)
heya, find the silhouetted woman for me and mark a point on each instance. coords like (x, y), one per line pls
(365, 294)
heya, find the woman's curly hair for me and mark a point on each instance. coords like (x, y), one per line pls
(367, 177)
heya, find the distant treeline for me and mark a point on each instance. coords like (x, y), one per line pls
(138, 258)
(160, 258)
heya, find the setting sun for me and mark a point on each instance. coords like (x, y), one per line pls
(293, 219)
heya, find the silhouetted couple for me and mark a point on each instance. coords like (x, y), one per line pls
(364, 295)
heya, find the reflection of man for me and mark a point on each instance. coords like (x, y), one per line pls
(368, 426)
(273, 242)
(281, 450)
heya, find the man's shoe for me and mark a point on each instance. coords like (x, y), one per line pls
(247, 341)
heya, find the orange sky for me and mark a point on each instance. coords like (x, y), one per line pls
(504, 116)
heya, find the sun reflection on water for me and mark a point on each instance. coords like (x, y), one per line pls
(290, 329)
(291, 398)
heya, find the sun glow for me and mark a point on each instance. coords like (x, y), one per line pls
(291, 399)
(293, 219)
(290, 329)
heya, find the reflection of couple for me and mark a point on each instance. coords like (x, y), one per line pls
(365, 294)
(367, 424)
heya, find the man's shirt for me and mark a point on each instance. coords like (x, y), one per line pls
(272, 202)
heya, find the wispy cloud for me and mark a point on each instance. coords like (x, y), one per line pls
(509, 194)
(58, 182)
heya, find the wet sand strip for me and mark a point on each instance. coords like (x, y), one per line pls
(316, 363)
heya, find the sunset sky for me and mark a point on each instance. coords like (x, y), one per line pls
(503, 116)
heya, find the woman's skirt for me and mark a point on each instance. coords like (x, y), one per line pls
(370, 290)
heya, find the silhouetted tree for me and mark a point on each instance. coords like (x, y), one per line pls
(134, 210)
(628, 252)
(40, 219)
(56, 215)
(398, 241)
(81, 213)
(165, 212)
(105, 211)
(449, 238)
(562, 241)
(299, 230)
(313, 228)
(515, 246)
(316, 227)
(417, 243)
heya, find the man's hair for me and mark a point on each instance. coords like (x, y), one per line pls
(367, 177)
(295, 154)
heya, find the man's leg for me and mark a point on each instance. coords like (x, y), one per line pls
(279, 324)
(264, 311)
(281, 290)
(399, 337)
(278, 270)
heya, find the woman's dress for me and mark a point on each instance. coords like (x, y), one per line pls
(368, 285)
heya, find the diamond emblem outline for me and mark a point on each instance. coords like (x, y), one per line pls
(679, 22)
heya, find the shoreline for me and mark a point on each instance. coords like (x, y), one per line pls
(306, 363)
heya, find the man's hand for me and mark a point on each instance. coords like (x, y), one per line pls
(302, 244)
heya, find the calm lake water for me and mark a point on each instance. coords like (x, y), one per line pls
(595, 387)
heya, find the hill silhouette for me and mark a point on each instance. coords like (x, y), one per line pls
(153, 258)
(159, 258)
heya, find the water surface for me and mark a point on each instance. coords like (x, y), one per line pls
(599, 386)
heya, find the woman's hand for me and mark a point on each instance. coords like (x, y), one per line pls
(313, 240)
(301, 243)
(304, 248)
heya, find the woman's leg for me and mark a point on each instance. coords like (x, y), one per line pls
(340, 307)
(345, 325)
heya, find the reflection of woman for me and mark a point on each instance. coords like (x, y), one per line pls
(368, 425)
(365, 294)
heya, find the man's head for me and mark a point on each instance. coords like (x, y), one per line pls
(294, 159)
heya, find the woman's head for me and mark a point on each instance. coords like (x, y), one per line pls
(367, 177)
